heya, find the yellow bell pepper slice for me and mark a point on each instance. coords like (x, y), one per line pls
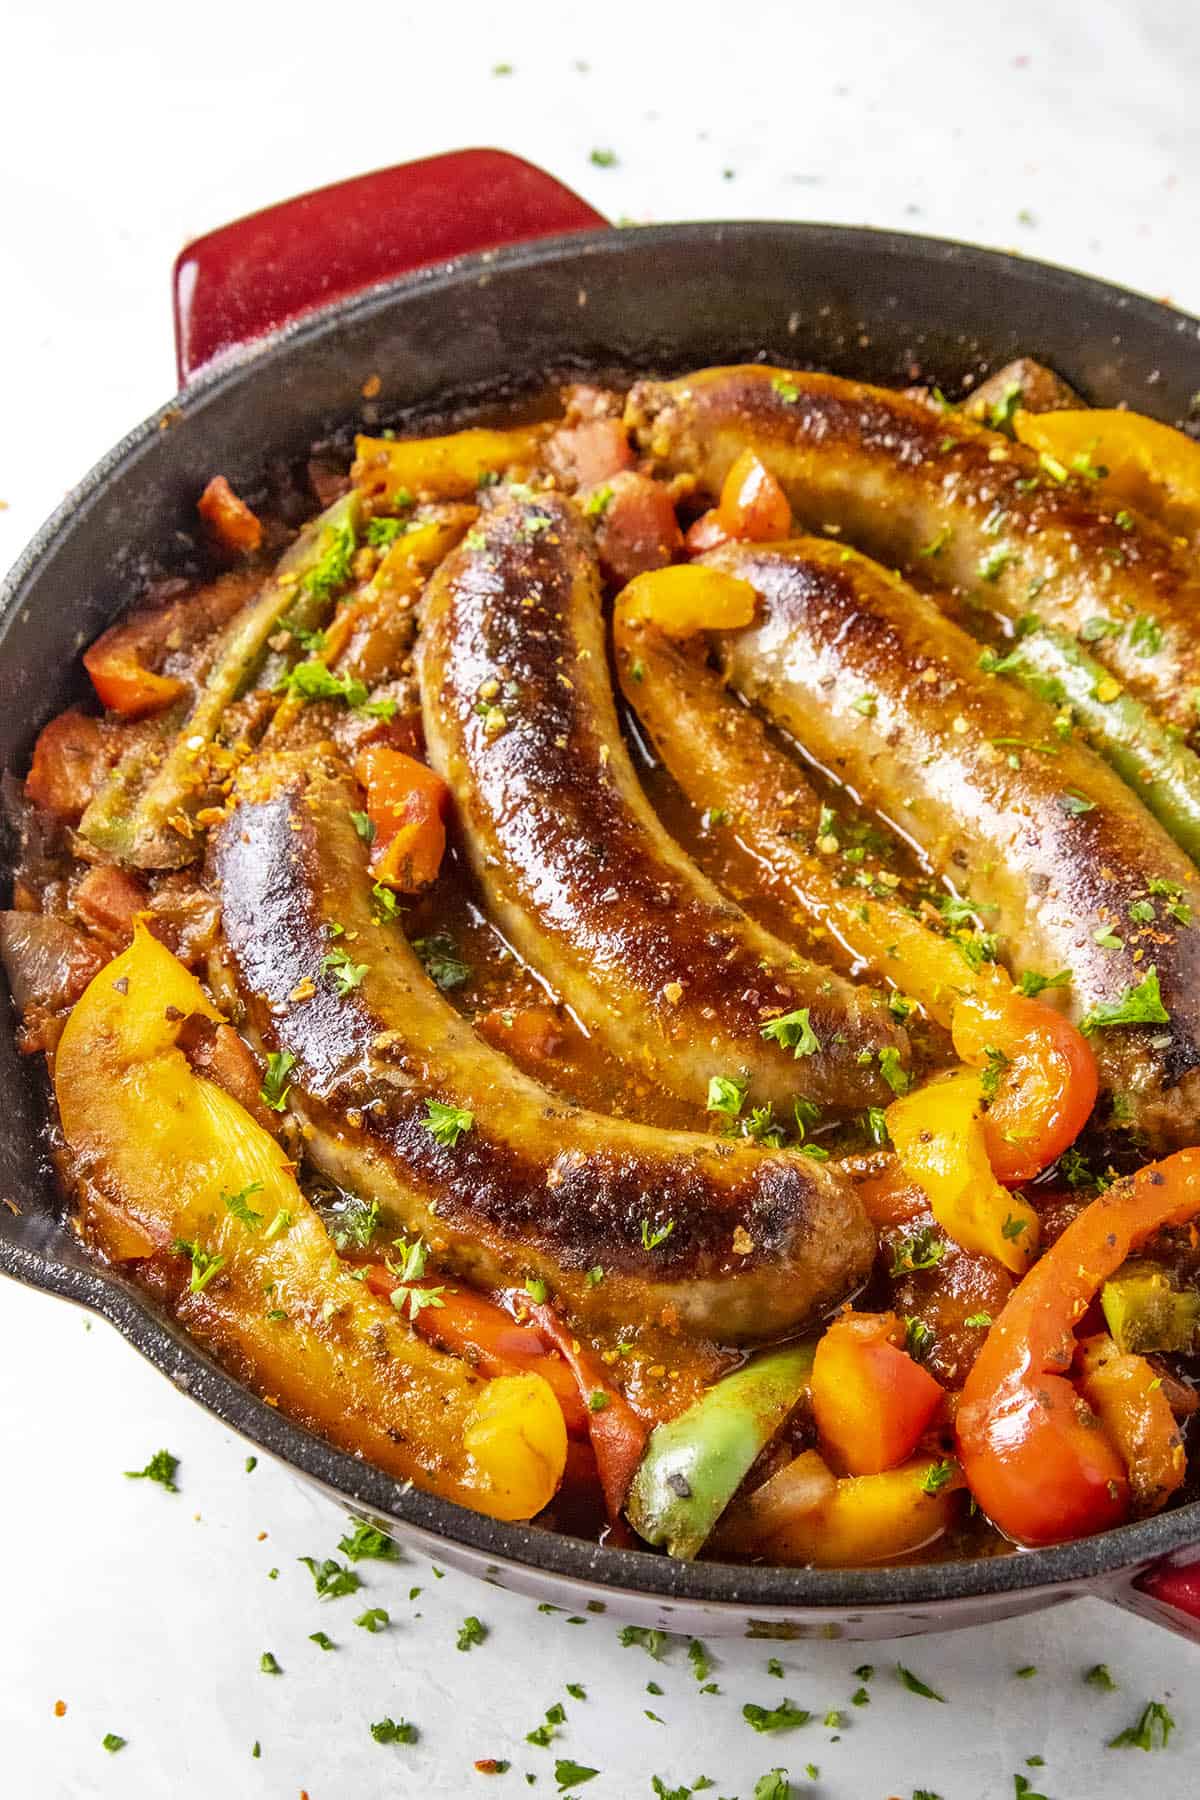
(443, 468)
(1146, 465)
(940, 1144)
(686, 598)
(172, 1166)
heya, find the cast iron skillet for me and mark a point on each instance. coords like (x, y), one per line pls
(281, 320)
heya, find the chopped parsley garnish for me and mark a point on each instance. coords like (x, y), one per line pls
(446, 1124)
(793, 1032)
(598, 501)
(937, 1475)
(1106, 937)
(361, 822)
(1172, 893)
(347, 974)
(312, 680)
(937, 542)
(383, 532)
(893, 1070)
(542, 1734)
(875, 1126)
(394, 1731)
(915, 1685)
(161, 1468)
(1075, 804)
(441, 961)
(1140, 1004)
(784, 1717)
(989, 1080)
(699, 1658)
(1141, 911)
(992, 565)
(205, 1263)
(653, 1236)
(1152, 1731)
(650, 1639)
(239, 1207)
(981, 1319)
(1012, 1227)
(268, 1665)
(356, 1223)
(112, 1742)
(866, 704)
(923, 1249)
(322, 1640)
(598, 1400)
(1100, 1676)
(374, 1619)
(761, 1126)
(1146, 635)
(1032, 984)
(918, 1339)
(331, 1579)
(537, 1290)
(807, 1114)
(470, 1633)
(332, 567)
(1026, 1673)
(368, 1541)
(276, 1087)
(774, 1785)
(787, 390)
(603, 159)
(726, 1095)
(1000, 413)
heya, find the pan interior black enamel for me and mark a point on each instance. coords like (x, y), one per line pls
(879, 306)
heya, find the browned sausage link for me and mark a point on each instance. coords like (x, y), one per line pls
(915, 487)
(1044, 837)
(666, 971)
(725, 1239)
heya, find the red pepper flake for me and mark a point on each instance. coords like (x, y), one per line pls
(491, 1765)
(60, 1709)
(371, 387)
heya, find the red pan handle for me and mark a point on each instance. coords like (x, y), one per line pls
(256, 274)
(1167, 1592)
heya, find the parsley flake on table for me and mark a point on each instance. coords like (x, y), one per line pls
(322, 1640)
(161, 1468)
(446, 1124)
(268, 1664)
(774, 1785)
(793, 1032)
(112, 1742)
(1151, 1732)
(1100, 1676)
(572, 1774)
(784, 1717)
(276, 1087)
(576, 1690)
(775, 1667)
(374, 1619)
(330, 1578)
(700, 1660)
(1139, 1004)
(394, 1731)
(368, 1541)
(648, 1637)
(915, 1685)
(470, 1633)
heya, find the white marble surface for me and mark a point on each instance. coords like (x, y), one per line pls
(1065, 131)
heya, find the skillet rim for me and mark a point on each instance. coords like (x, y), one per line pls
(641, 1573)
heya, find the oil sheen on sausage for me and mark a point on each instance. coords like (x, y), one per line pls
(1047, 841)
(918, 487)
(669, 974)
(727, 1240)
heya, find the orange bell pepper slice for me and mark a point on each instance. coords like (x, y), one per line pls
(871, 1401)
(752, 503)
(686, 598)
(230, 520)
(407, 804)
(122, 682)
(1127, 1397)
(1036, 1458)
(866, 1518)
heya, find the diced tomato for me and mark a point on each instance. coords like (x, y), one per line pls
(230, 520)
(1048, 1079)
(71, 759)
(111, 898)
(705, 533)
(636, 527)
(407, 804)
(592, 451)
(752, 503)
(871, 1401)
